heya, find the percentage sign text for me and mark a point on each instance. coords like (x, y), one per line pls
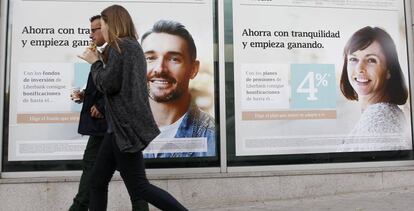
(321, 79)
(311, 88)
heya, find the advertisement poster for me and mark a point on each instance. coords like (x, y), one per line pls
(45, 69)
(291, 59)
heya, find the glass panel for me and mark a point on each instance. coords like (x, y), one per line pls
(283, 79)
(42, 122)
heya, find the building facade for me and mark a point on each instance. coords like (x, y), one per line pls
(271, 76)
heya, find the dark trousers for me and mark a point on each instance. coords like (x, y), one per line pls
(81, 200)
(132, 170)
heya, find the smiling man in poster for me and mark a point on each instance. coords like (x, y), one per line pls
(186, 130)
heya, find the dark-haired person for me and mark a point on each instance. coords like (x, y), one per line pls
(171, 57)
(372, 75)
(91, 122)
(131, 125)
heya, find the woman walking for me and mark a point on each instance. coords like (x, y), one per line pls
(131, 126)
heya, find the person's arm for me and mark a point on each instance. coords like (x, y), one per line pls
(95, 113)
(100, 105)
(77, 96)
(108, 79)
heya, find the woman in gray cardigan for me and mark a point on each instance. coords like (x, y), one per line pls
(131, 126)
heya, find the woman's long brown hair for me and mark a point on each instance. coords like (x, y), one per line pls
(119, 23)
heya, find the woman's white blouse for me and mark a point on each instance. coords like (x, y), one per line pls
(379, 119)
(382, 126)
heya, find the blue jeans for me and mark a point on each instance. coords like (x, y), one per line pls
(132, 169)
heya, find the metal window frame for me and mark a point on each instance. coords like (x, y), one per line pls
(3, 26)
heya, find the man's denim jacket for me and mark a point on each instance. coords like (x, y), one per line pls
(196, 123)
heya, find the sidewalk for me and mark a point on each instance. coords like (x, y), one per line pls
(401, 199)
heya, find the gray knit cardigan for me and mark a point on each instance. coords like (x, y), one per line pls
(123, 80)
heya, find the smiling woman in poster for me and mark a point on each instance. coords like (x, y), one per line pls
(372, 75)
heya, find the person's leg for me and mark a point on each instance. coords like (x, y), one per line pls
(132, 169)
(81, 200)
(139, 205)
(102, 173)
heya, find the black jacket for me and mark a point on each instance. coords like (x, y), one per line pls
(124, 82)
(87, 124)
